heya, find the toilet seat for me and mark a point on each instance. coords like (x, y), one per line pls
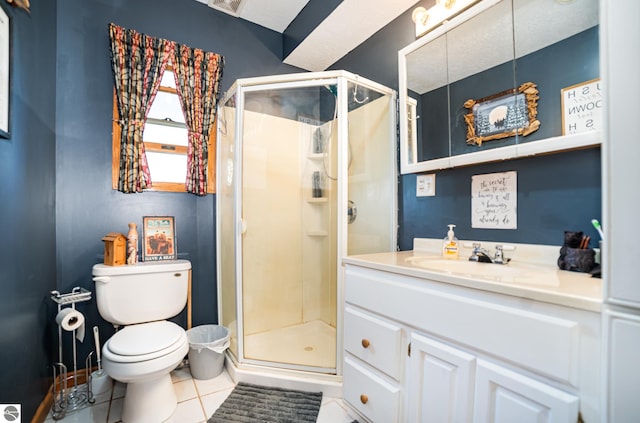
(144, 341)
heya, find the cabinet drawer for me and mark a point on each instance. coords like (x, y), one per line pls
(373, 340)
(375, 398)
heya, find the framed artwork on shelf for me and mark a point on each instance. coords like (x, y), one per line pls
(159, 238)
(5, 70)
(505, 114)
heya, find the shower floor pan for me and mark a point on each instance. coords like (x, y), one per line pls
(308, 344)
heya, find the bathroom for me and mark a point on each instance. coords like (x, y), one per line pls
(57, 197)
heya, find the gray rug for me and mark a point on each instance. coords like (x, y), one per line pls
(261, 404)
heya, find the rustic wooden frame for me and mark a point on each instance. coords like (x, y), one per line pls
(530, 92)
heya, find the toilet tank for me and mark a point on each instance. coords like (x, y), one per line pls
(142, 292)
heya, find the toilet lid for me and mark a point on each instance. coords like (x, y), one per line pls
(145, 338)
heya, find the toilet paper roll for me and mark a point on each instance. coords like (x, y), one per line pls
(70, 319)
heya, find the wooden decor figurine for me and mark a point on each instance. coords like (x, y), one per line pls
(115, 249)
(132, 244)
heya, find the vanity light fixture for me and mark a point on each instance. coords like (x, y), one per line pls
(428, 19)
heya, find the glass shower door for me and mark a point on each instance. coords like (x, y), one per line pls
(288, 239)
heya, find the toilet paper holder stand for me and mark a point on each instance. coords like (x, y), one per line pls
(66, 397)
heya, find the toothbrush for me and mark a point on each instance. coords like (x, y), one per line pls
(596, 225)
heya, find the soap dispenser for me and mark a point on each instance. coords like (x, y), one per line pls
(450, 245)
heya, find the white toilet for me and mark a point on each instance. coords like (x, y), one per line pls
(147, 348)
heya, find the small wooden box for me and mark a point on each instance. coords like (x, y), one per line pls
(115, 249)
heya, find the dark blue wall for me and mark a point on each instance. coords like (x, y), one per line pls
(56, 169)
(555, 192)
(27, 209)
(86, 206)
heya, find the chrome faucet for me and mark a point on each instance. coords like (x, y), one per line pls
(481, 255)
(499, 256)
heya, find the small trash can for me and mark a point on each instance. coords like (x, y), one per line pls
(207, 344)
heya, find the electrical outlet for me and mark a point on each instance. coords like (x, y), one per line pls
(426, 185)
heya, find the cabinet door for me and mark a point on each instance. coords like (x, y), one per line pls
(504, 396)
(623, 369)
(440, 382)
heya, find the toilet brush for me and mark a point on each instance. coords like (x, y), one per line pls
(100, 381)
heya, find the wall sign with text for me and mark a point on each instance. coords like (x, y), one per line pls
(494, 201)
(582, 107)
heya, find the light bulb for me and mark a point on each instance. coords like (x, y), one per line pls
(420, 16)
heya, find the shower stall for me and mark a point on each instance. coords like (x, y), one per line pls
(306, 174)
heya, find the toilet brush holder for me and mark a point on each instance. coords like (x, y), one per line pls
(100, 382)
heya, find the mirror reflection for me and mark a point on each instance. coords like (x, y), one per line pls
(495, 46)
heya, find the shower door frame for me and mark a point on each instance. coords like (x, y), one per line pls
(341, 79)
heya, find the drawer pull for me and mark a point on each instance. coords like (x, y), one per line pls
(364, 399)
(365, 343)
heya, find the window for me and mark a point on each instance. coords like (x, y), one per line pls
(165, 141)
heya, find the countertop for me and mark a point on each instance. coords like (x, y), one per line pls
(535, 281)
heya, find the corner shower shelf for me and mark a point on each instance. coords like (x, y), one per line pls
(315, 156)
(318, 234)
(317, 200)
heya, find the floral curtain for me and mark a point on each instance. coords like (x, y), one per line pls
(197, 74)
(138, 62)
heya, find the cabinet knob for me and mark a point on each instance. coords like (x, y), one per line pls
(365, 343)
(364, 399)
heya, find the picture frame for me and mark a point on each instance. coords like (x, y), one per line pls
(5, 72)
(582, 106)
(158, 238)
(505, 114)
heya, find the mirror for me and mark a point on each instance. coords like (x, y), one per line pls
(493, 48)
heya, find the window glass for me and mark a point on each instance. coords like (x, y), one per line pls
(166, 106)
(165, 134)
(168, 79)
(165, 167)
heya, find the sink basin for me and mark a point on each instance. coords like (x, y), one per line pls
(520, 272)
(468, 267)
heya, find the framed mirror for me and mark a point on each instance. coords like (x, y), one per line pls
(492, 48)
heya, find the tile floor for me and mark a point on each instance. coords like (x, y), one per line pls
(197, 400)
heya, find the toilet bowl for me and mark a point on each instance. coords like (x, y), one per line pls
(143, 352)
(143, 356)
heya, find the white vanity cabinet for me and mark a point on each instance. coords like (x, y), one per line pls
(439, 352)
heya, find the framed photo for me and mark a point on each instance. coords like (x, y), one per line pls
(505, 114)
(5, 69)
(582, 107)
(159, 238)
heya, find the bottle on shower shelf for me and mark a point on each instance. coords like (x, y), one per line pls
(316, 190)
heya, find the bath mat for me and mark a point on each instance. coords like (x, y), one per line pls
(249, 403)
